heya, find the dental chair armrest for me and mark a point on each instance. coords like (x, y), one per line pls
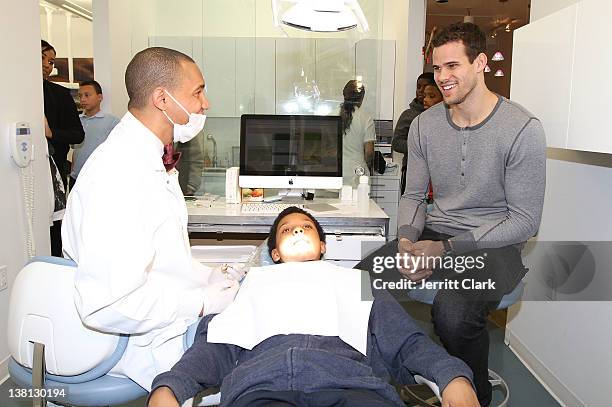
(434, 387)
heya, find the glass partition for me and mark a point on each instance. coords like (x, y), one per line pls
(250, 66)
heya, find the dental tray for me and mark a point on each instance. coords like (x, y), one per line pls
(222, 254)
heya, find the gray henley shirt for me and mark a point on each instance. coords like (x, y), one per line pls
(488, 180)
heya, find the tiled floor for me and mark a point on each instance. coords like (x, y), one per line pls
(525, 390)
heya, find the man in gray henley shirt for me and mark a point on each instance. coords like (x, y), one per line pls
(486, 158)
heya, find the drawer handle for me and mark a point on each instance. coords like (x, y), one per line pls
(377, 185)
(375, 196)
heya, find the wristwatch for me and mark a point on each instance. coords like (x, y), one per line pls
(448, 249)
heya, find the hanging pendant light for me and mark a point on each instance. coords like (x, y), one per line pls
(499, 72)
(498, 56)
(487, 69)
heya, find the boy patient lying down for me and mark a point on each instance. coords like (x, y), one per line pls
(307, 364)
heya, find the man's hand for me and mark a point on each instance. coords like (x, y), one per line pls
(217, 296)
(428, 249)
(48, 132)
(459, 393)
(418, 269)
(163, 397)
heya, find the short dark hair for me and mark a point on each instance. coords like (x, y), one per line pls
(427, 76)
(150, 68)
(288, 211)
(469, 34)
(45, 46)
(93, 83)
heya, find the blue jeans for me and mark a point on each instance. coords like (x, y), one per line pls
(324, 398)
(459, 316)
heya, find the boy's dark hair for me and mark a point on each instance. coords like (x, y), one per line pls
(469, 34)
(93, 83)
(45, 46)
(427, 76)
(289, 211)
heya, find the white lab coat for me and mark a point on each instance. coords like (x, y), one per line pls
(126, 228)
(360, 131)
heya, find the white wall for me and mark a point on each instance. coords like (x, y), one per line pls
(20, 100)
(81, 38)
(404, 22)
(567, 344)
(541, 8)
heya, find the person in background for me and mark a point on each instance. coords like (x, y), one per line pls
(126, 222)
(190, 166)
(400, 135)
(96, 123)
(315, 370)
(431, 96)
(358, 133)
(62, 128)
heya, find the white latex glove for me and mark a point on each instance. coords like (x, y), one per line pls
(234, 271)
(217, 296)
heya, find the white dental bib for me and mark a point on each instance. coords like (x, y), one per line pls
(311, 298)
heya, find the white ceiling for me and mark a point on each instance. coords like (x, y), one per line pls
(83, 3)
(86, 4)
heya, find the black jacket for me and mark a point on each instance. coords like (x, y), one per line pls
(64, 122)
(400, 135)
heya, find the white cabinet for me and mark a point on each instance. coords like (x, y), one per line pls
(559, 71)
(385, 191)
(591, 103)
(348, 250)
(245, 76)
(542, 72)
(182, 44)
(219, 68)
(265, 75)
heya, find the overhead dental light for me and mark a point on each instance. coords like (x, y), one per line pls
(321, 15)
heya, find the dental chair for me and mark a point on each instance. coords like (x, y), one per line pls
(50, 347)
(52, 351)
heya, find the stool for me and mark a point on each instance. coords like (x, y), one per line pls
(51, 348)
(427, 296)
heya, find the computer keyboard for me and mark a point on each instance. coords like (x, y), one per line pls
(263, 207)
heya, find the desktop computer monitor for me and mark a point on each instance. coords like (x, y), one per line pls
(290, 151)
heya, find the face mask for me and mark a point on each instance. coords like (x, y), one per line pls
(185, 132)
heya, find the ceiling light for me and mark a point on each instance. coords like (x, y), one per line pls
(498, 56)
(499, 72)
(507, 28)
(468, 18)
(487, 69)
(321, 15)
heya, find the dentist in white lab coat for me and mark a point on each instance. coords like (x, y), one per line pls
(126, 222)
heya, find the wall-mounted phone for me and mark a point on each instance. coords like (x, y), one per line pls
(20, 138)
(22, 151)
